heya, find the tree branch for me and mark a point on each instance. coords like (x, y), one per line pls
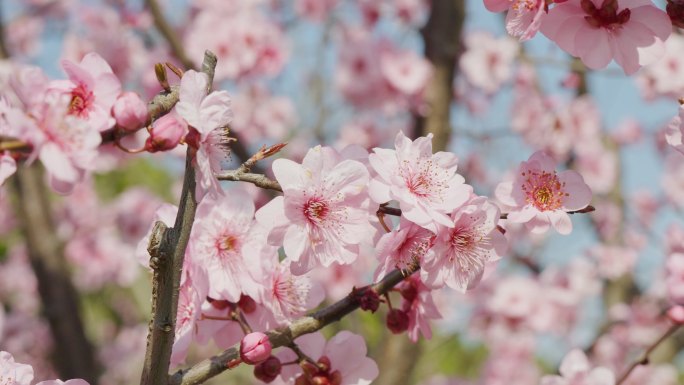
(644, 358)
(73, 354)
(284, 336)
(258, 180)
(442, 37)
(167, 249)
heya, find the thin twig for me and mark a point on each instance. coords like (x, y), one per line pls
(286, 335)
(643, 360)
(397, 212)
(258, 180)
(169, 34)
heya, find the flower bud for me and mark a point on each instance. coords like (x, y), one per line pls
(130, 111)
(368, 300)
(676, 314)
(166, 133)
(268, 370)
(397, 321)
(247, 304)
(255, 348)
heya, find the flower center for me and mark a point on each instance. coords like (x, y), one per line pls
(81, 100)
(607, 16)
(227, 244)
(425, 179)
(543, 190)
(316, 210)
(470, 248)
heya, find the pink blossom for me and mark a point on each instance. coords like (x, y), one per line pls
(191, 295)
(675, 130)
(575, 370)
(8, 166)
(426, 185)
(666, 76)
(405, 70)
(630, 32)
(316, 10)
(254, 348)
(14, 373)
(675, 277)
(289, 296)
(673, 179)
(218, 236)
(323, 216)
(487, 62)
(540, 197)
(460, 253)
(402, 248)
(166, 133)
(76, 381)
(676, 314)
(524, 16)
(418, 304)
(344, 355)
(210, 115)
(92, 89)
(130, 111)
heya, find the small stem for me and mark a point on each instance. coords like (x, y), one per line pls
(381, 218)
(121, 147)
(239, 317)
(216, 317)
(643, 360)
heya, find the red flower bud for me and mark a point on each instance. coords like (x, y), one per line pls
(255, 348)
(397, 321)
(268, 370)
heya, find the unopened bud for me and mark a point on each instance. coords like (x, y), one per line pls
(397, 321)
(676, 314)
(268, 370)
(368, 300)
(129, 111)
(166, 133)
(255, 348)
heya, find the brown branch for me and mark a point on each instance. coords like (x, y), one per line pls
(644, 358)
(258, 180)
(73, 354)
(442, 37)
(167, 249)
(397, 212)
(168, 33)
(286, 335)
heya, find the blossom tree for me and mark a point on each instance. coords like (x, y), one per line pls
(341, 192)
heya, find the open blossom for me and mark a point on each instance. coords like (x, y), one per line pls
(14, 373)
(289, 296)
(524, 16)
(217, 240)
(540, 197)
(598, 31)
(92, 89)
(418, 305)
(460, 253)
(575, 370)
(402, 248)
(343, 357)
(209, 114)
(323, 216)
(675, 130)
(488, 62)
(426, 185)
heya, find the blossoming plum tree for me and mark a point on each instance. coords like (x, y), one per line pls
(321, 185)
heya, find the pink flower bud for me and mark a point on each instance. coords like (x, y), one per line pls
(166, 133)
(255, 348)
(676, 314)
(130, 111)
